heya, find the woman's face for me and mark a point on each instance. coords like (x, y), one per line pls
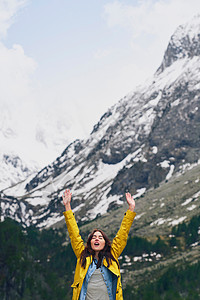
(97, 241)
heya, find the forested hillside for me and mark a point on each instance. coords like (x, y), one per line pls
(39, 264)
(34, 264)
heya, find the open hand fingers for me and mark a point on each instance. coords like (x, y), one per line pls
(67, 196)
(130, 200)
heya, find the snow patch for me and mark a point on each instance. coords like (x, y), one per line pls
(139, 216)
(169, 175)
(139, 193)
(176, 222)
(155, 149)
(187, 201)
(191, 207)
(165, 164)
(102, 206)
(175, 103)
(54, 218)
(161, 221)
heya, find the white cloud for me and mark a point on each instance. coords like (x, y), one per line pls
(17, 110)
(8, 11)
(15, 71)
(151, 17)
(16, 67)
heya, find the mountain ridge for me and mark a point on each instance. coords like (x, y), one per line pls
(141, 141)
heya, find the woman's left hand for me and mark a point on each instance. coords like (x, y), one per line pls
(130, 201)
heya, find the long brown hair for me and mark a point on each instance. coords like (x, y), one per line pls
(105, 253)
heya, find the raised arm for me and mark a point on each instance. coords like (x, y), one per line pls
(120, 240)
(76, 240)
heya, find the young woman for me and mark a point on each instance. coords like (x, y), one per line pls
(97, 274)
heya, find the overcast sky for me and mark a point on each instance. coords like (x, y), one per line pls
(74, 59)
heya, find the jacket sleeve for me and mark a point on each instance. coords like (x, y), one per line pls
(120, 240)
(76, 240)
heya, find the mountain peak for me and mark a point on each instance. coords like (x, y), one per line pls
(184, 43)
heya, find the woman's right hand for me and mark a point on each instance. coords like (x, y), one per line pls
(67, 199)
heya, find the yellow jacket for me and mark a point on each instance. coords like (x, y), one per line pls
(118, 245)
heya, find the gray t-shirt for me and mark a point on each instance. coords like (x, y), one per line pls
(96, 289)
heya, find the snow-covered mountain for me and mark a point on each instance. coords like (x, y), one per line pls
(146, 138)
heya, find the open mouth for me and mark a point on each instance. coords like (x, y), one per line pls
(96, 244)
